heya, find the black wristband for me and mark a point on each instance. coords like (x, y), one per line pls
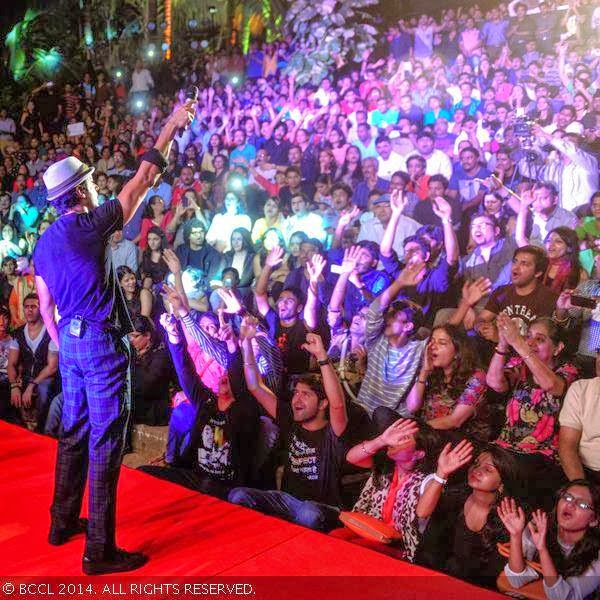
(322, 363)
(156, 158)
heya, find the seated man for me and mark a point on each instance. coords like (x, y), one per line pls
(32, 366)
(226, 428)
(288, 325)
(579, 433)
(433, 290)
(394, 354)
(312, 429)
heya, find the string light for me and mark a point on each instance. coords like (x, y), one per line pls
(168, 28)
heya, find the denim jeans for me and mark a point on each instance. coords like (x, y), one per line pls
(307, 513)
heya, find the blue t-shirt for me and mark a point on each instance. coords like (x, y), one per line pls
(70, 256)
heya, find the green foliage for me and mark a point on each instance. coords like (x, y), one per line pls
(326, 34)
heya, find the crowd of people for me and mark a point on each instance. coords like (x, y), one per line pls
(387, 284)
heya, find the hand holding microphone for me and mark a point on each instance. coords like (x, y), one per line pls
(184, 115)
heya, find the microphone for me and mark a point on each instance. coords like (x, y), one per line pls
(191, 94)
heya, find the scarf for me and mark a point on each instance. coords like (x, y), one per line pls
(562, 274)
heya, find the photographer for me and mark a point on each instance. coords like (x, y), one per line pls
(575, 174)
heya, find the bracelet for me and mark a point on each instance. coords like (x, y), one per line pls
(447, 221)
(421, 381)
(322, 363)
(439, 479)
(15, 385)
(249, 364)
(500, 352)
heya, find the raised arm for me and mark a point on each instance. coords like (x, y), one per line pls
(472, 293)
(398, 201)
(521, 225)
(336, 303)
(338, 416)
(449, 461)
(442, 209)
(273, 260)
(397, 433)
(254, 381)
(315, 268)
(137, 187)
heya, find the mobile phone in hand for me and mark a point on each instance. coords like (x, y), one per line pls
(583, 302)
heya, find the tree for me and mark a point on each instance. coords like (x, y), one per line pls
(327, 34)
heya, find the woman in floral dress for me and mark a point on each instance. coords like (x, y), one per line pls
(451, 386)
(536, 379)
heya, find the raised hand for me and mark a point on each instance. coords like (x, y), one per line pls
(348, 217)
(538, 528)
(314, 345)
(230, 300)
(172, 261)
(441, 208)
(398, 201)
(474, 291)
(248, 327)
(174, 297)
(512, 516)
(315, 267)
(452, 459)
(184, 115)
(275, 257)
(526, 199)
(399, 432)
(412, 274)
(169, 324)
(350, 259)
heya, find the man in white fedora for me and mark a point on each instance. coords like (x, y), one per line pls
(71, 276)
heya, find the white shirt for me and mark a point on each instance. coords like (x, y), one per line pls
(395, 162)
(579, 179)
(310, 223)
(372, 230)
(222, 227)
(141, 81)
(33, 342)
(439, 164)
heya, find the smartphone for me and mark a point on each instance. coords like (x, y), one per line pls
(185, 202)
(337, 269)
(583, 302)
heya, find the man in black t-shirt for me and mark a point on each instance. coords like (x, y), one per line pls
(72, 276)
(286, 326)
(312, 429)
(524, 300)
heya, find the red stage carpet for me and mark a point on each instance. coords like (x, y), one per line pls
(190, 534)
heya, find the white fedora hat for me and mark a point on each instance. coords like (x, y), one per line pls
(64, 175)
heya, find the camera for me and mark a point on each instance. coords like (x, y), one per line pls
(522, 128)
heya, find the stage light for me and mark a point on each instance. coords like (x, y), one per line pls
(236, 184)
(194, 45)
(151, 26)
(150, 53)
(192, 23)
(139, 104)
(204, 44)
(235, 80)
(118, 73)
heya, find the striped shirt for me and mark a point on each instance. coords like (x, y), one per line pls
(390, 370)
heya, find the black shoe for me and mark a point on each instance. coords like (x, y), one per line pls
(119, 562)
(58, 537)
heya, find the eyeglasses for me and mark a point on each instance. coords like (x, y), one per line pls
(570, 499)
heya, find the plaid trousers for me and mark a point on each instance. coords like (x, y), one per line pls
(96, 409)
